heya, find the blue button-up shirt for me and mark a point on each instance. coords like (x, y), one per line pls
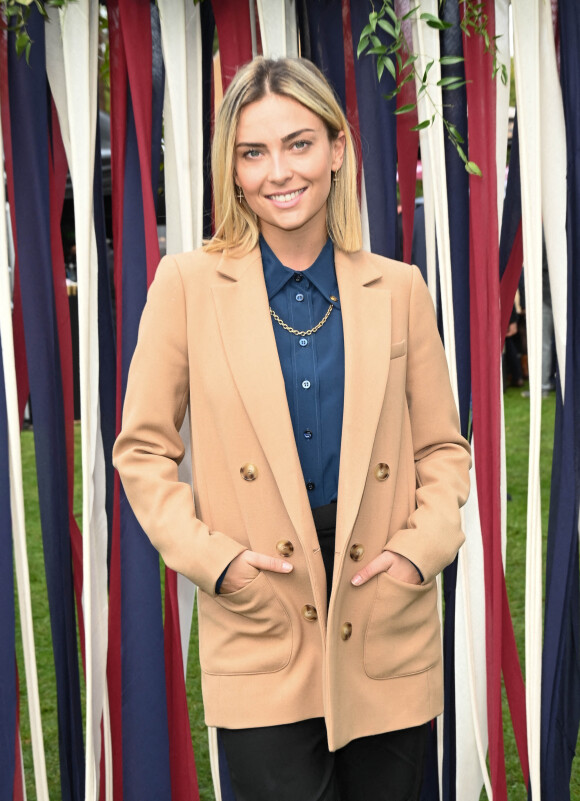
(312, 365)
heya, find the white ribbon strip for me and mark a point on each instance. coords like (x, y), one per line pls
(502, 100)
(17, 504)
(470, 657)
(72, 70)
(526, 19)
(278, 28)
(554, 187)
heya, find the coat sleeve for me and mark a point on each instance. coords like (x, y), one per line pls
(149, 448)
(433, 534)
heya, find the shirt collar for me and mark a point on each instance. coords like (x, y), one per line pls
(321, 273)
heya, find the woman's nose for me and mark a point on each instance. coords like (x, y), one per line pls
(280, 169)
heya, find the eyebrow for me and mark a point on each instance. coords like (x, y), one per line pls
(285, 139)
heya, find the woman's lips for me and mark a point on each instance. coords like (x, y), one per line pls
(286, 199)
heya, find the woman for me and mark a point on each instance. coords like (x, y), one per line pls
(296, 352)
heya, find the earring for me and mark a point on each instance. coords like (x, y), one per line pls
(239, 193)
(335, 177)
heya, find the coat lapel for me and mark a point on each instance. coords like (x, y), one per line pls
(248, 337)
(366, 315)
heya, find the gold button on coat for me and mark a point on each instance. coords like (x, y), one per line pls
(284, 547)
(356, 552)
(249, 472)
(382, 471)
(309, 612)
(346, 631)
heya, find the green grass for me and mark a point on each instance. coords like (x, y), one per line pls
(517, 434)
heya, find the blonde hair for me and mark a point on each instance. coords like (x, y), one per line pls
(236, 225)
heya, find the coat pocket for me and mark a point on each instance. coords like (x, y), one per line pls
(403, 632)
(247, 631)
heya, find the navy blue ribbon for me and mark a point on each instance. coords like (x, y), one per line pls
(561, 654)
(378, 134)
(144, 704)
(30, 123)
(8, 687)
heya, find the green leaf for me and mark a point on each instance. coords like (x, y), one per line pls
(451, 59)
(450, 79)
(453, 86)
(461, 154)
(377, 51)
(376, 41)
(439, 25)
(392, 14)
(386, 26)
(391, 67)
(366, 31)
(473, 169)
(454, 132)
(435, 22)
(380, 67)
(424, 124)
(362, 45)
(405, 109)
(410, 13)
(427, 68)
(22, 40)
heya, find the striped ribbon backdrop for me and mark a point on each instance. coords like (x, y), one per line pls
(120, 648)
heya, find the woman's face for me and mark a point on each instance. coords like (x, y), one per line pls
(283, 163)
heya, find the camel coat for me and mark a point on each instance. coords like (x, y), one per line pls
(270, 653)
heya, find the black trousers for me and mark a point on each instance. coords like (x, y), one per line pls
(292, 763)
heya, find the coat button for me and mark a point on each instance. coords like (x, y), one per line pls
(284, 547)
(356, 552)
(346, 631)
(382, 471)
(249, 472)
(309, 612)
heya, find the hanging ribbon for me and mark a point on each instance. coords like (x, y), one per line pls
(486, 353)
(561, 658)
(137, 668)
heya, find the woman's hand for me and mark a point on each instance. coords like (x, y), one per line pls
(392, 563)
(246, 566)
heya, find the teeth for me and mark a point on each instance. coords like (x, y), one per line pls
(287, 197)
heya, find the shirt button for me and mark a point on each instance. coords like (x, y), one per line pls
(333, 298)
(299, 297)
(308, 434)
(306, 384)
(298, 277)
(303, 342)
(310, 485)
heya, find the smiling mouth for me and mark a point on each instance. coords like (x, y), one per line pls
(286, 197)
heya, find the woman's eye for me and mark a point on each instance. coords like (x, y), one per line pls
(251, 154)
(301, 144)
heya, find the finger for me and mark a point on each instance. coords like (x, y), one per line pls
(379, 564)
(271, 563)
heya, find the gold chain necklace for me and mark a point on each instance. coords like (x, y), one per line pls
(310, 331)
